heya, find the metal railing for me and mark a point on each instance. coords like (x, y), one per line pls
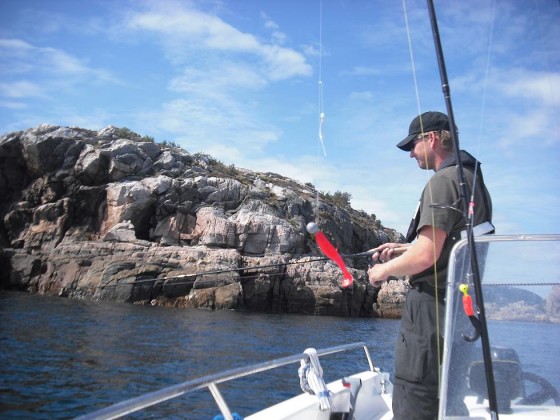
(210, 381)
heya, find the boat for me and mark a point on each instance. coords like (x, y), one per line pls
(523, 311)
(499, 352)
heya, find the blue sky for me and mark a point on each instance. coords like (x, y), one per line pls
(246, 82)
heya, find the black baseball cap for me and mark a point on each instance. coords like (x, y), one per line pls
(424, 123)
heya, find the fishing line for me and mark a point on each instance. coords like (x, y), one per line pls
(521, 284)
(549, 72)
(166, 281)
(417, 92)
(412, 63)
(419, 110)
(323, 243)
(320, 100)
(483, 330)
(470, 212)
(482, 112)
(237, 269)
(486, 78)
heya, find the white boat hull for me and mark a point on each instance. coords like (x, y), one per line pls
(373, 402)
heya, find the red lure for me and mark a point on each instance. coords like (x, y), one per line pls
(330, 252)
(467, 300)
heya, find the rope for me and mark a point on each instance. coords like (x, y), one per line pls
(311, 379)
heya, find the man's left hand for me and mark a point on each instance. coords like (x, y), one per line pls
(377, 275)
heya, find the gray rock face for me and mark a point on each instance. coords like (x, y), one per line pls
(391, 299)
(111, 215)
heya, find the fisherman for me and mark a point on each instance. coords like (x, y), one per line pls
(436, 226)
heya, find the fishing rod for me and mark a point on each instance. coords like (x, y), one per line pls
(243, 269)
(484, 337)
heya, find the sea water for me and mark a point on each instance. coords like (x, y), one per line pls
(61, 358)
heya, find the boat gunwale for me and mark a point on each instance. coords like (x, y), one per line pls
(134, 404)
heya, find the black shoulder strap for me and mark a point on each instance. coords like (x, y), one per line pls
(413, 227)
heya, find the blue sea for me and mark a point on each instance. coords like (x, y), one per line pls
(61, 358)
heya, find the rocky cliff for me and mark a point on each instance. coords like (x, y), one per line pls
(112, 215)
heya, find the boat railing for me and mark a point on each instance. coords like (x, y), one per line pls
(211, 382)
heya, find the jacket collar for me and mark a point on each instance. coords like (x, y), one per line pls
(466, 159)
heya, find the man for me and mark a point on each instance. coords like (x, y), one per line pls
(435, 227)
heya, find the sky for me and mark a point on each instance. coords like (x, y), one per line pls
(246, 82)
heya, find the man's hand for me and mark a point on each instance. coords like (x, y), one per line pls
(406, 260)
(388, 251)
(377, 275)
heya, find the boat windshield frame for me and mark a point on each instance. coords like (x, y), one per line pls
(457, 322)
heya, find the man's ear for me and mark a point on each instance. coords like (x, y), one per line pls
(433, 137)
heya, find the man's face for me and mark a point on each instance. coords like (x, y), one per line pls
(422, 152)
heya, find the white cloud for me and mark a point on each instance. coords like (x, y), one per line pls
(217, 80)
(21, 89)
(220, 71)
(541, 87)
(223, 127)
(183, 28)
(53, 68)
(277, 35)
(25, 57)
(207, 30)
(13, 105)
(283, 63)
(14, 44)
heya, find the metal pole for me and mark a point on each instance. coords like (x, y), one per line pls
(487, 356)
